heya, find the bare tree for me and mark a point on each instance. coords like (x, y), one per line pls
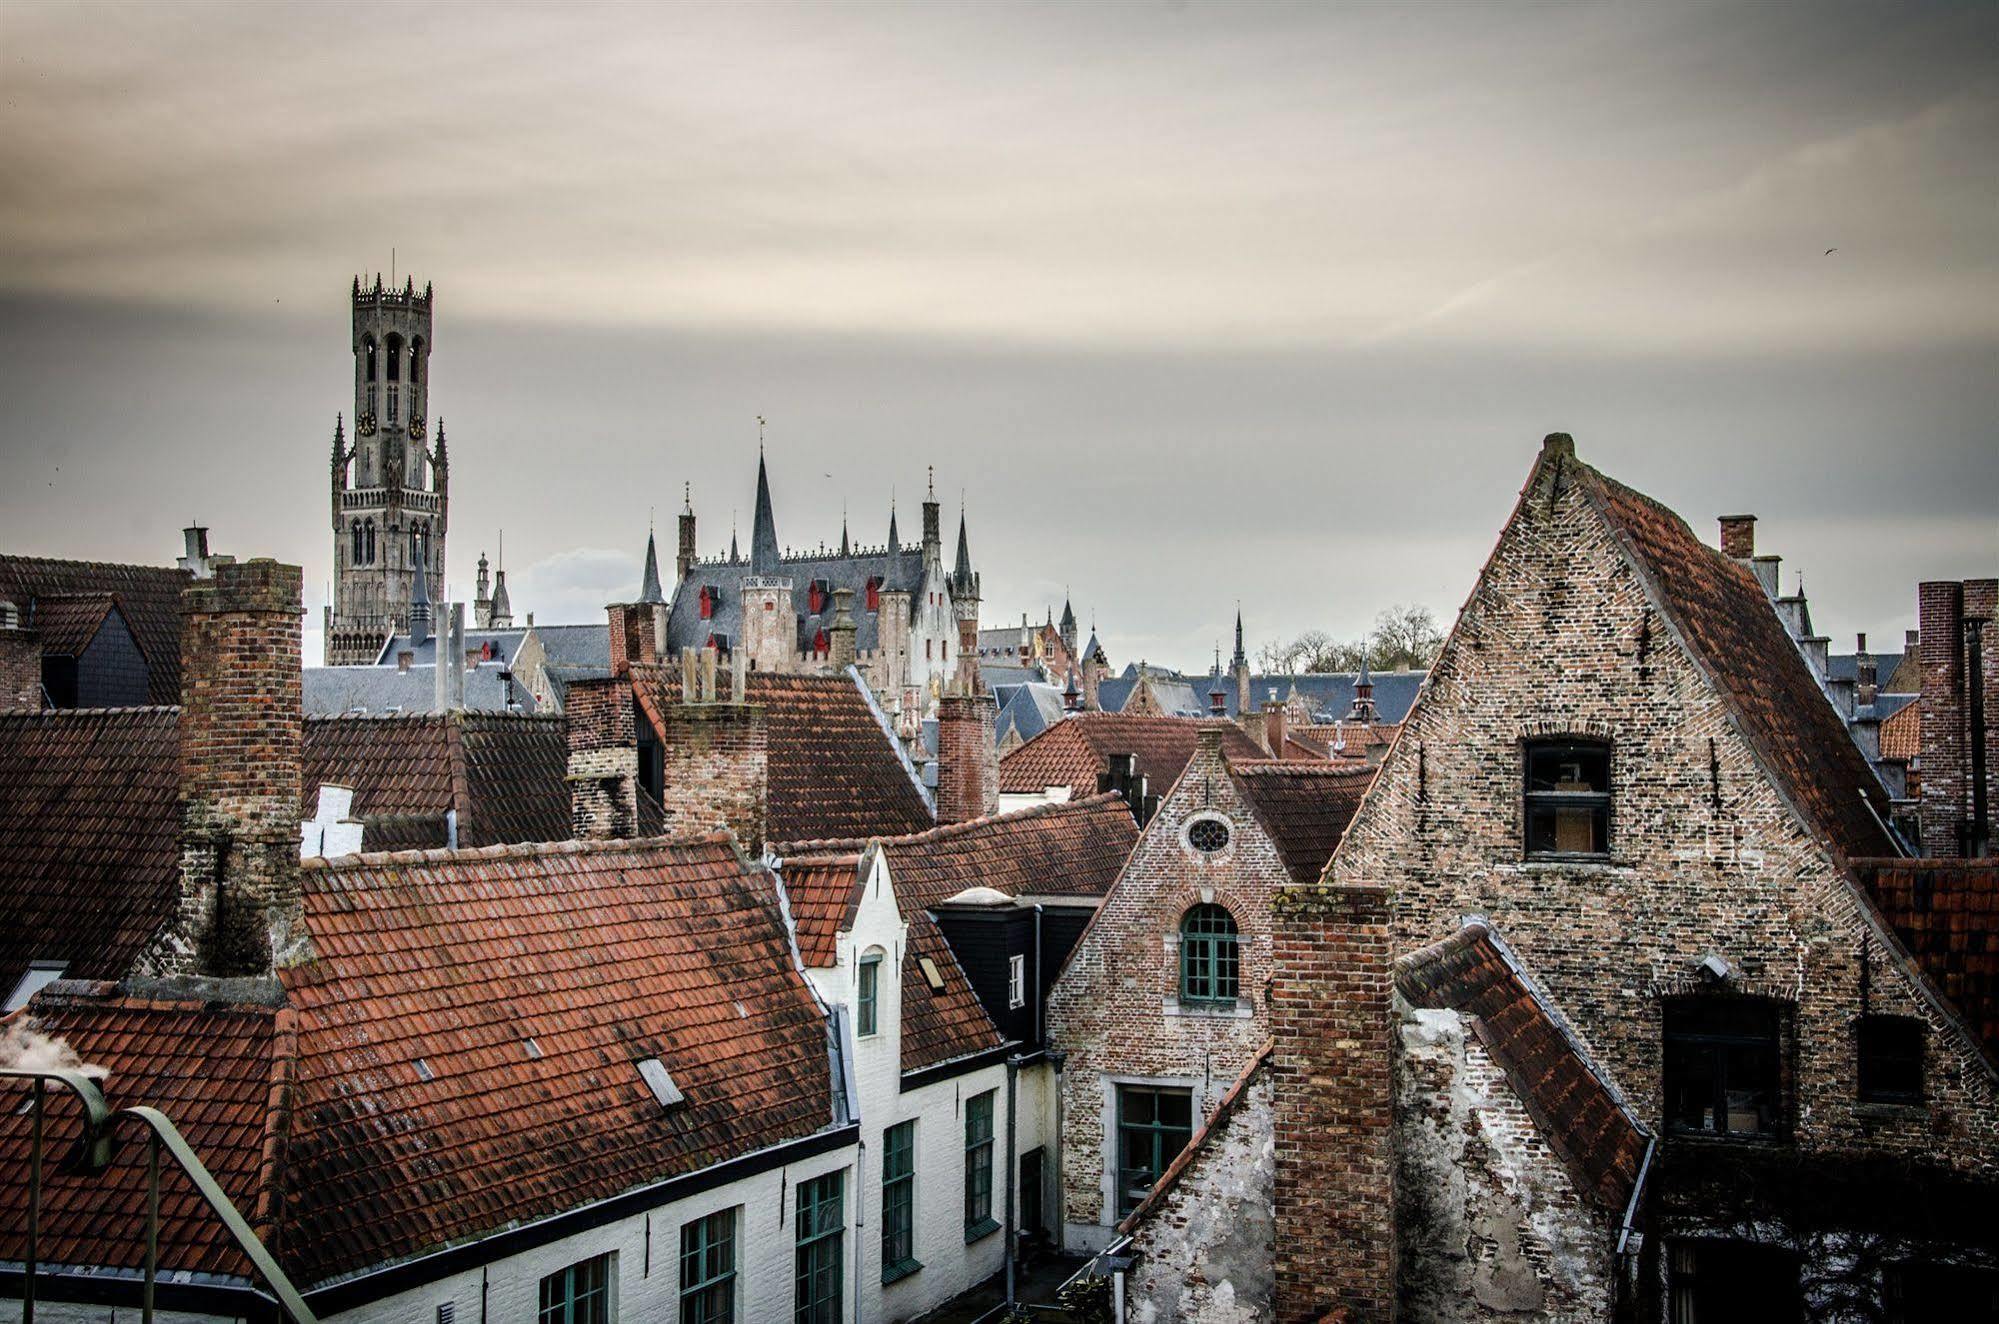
(1405, 635)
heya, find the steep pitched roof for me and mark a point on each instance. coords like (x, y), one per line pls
(1574, 1104)
(835, 771)
(442, 1093)
(148, 597)
(1902, 732)
(940, 1026)
(215, 1068)
(822, 892)
(1075, 751)
(89, 837)
(1305, 807)
(1946, 913)
(68, 622)
(1722, 613)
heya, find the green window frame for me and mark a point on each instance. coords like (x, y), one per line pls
(579, 1294)
(979, 1220)
(1210, 955)
(869, 1011)
(708, 1269)
(819, 1266)
(899, 1202)
(1154, 1124)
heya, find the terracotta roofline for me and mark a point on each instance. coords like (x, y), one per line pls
(1223, 1111)
(792, 850)
(519, 851)
(90, 712)
(96, 565)
(853, 673)
(1301, 768)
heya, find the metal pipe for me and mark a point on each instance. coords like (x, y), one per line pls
(152, 1224)
(1012, 1074)
(34, 1209)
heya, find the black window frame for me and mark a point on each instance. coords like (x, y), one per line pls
(1887, 1071)
(708, 1269)
(1600, 803)
(1750, 1274)
(1156, 1135)
(1697, 1041)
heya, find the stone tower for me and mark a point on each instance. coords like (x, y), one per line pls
(390, 490)
(770, 628)
(965, 610)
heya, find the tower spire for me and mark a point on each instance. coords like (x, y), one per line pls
(894, 543)
(763, 525)
(1239, 661)
(649, 589)
(844, 551)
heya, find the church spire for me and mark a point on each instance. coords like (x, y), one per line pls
(894, 543)
(963, 581)
(844, 548)
(763, 527)
(649, 590)
(1239, 662)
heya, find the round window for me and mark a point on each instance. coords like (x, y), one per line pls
(1208, 835)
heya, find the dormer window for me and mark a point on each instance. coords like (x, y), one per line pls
(708, 598)
(817, 595)
(874, 592)
(1567, 798)
(868, 1002)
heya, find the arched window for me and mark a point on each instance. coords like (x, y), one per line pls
(368, 350)
(395, 349)
(1209, 963)
(370, 558)
(416, 358)
(360, 544)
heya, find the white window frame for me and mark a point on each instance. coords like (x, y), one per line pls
(1016, 982)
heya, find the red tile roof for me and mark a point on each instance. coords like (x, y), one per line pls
(1902, 733)
(834, 770)
(89, 837)
(1578, 1111)
(822, 893)
(1946, 913)
(1721, 611)
(1075, 751)
(1305, 807)
(469, 1031)
(504, 773)
(939, 1027)
(214, 1068)
(148, 596)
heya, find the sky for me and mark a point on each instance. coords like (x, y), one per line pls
(1190, 305)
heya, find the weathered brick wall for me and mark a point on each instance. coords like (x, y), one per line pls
(1560, 636)
(1204, 1253)
(603, 767)
(967, 759)
(716, 770)
(241, 741)
(1115, 1010)
(1331, 1069)
(1490, 1225)
(1950, 613)
(20, 668)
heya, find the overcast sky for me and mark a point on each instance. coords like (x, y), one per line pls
(1194, 303)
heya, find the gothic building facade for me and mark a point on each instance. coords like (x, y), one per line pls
(390, 487)
(909, 622)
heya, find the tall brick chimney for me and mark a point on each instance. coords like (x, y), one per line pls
(1738, 536)
(634, 635)
(1866, 676)
(1276, 728)
(1330, 1021)
(603, 758)
(842, 653)
(967, 758)
(714, 755)
(1959, 652)
(20, 663)
(241, 747)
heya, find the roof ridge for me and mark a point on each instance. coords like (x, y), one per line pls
(513, 850)
(13, 559)
(820, 848)
(1301, 767)
(90, 712)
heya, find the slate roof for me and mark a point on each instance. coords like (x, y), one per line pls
(1579, 1112)
(215, 1068)
(834, 771)
(1721, 611)
(1027, 710)
(1305, 807)
(89, 837)
(148, 597)
(1846, 666)
(1946, 913)
(442, 1093)
(685, 627)
(505, 775)
(1077, 749)
(333, 691)
(1330, 693)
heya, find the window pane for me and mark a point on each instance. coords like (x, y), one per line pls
(1891, 1059)
(1563, 766)
(870, 990)
(1154, 1125)
(819, 1263)
(1722, 1065)
(708, 1270)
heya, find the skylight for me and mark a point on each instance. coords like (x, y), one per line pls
(931, 974)
(39, 975)
(660, 1081)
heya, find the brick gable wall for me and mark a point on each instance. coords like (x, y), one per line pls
(1115, 1010)
(1560, 636)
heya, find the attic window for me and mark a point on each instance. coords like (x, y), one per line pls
(1208, 835)
(874, 592)
(660, 1082)
(708, 599)
(931, 974)
(39, 975)
(817, 596)
(1891, 1059)
(1568, 798)
(423, 1070)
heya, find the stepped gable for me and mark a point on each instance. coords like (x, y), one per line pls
(147, 596)
(89, 837)
(1077, 750)
(1579, 1112)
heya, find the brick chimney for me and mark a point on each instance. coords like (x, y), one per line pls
(1866, 678)
(1330, 1021)
(1276, 728)
(603, 759)
(20, 662)
(842, 652)
(1960, 672)
(241, 745)
(1738, 536)
(634, 635)
(967, 758)
(714, 754)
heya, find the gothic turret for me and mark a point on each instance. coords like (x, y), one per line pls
(482, 596)
(764, 556)
(1363, 709)
(502, 616)
(1239, 668)
(1068, 626)
(769, 627)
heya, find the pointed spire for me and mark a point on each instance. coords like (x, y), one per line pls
(763, 526)
(1239, 662)
(961, 574)
(845, 549)
(894, 542)
(502, 614)
(339, 434)
(649, 589)
(734, 556)
(1068, 616)
(441, 459)
(687, 498)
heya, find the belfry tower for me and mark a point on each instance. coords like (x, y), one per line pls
(391, 488)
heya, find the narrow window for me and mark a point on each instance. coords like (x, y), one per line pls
(394, 408)
(368, 350)
(870, 998)
(394, 346)
(874, 592)
(371, 543)
(1891, 1059)
(1720, 1282)
(899, 1202)
(979, 1219)
(926, 650)
(1210, 964)
(416, 358)
(1568, 798)
(359, 544)
(1016, 982)
(707, 602)
(580, 1294)
(708, 1269)
(1723, 1062)
(1154, 1125)
(818, 1269)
